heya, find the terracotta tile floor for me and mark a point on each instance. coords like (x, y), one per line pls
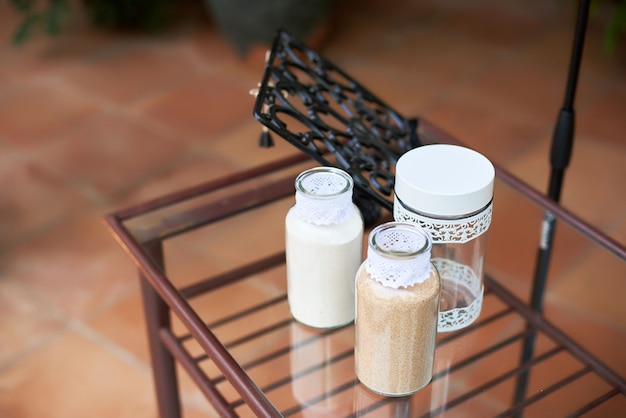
(94, 121)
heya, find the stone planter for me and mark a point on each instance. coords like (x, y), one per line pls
(247, 23)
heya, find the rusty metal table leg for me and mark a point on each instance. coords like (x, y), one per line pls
(157, 317)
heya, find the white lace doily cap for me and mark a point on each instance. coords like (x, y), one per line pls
(324, 195)
(398, 254)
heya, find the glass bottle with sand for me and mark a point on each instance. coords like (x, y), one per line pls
(397, 303)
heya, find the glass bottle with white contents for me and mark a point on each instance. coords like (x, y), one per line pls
(324, 240)
(448, 190)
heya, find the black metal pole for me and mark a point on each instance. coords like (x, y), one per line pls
(560, 155)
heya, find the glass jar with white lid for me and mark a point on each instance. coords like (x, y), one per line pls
(448, 190)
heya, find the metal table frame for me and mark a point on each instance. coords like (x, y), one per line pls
(161, 297)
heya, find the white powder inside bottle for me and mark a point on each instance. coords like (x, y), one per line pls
(323, 259)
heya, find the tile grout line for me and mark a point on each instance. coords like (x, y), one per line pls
(108, 345)
(29, 352)
(58, 315)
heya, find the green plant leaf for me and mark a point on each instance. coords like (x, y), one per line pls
(23, 6)
(616, 26)
(28, 26)
(57, 10)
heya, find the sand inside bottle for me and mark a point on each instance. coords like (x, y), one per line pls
(399, 329)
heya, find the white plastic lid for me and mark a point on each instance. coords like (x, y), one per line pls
(444, 180)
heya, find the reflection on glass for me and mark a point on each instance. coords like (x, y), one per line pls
(321, 365)
(324, 383)
(370, 404)
(447, 355)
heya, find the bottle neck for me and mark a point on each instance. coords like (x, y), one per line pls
(398, 255)
(324, 196)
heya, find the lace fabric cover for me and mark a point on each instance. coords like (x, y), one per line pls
(323, 197)
(464, 276)
(448, 230)
(401, 270)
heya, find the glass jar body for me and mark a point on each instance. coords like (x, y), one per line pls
(321, 264)
(396, 327)
(458, 253)
(395, 334)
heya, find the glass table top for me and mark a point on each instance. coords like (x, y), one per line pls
(223, 277)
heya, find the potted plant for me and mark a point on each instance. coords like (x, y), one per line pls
(50, 16)
(243, 22)
(246, 23)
